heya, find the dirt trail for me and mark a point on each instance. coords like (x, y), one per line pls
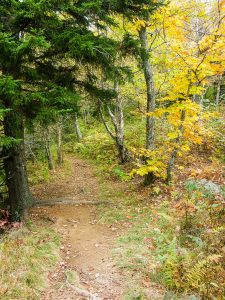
(87, 245)
(81, 185)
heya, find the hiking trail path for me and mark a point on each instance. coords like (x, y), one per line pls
(86, 244)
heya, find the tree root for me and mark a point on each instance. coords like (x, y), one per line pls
(84, 293)
(64, 201)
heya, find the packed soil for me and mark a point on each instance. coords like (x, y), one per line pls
(87, 269)
(81, 185)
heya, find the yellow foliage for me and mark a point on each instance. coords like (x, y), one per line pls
(153, 164)
(139, 24)
(184, 63)
(185, 147)
(158, 113)
(173, 135)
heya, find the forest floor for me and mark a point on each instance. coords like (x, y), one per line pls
(87, 269)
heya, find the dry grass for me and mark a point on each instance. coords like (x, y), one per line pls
(26, 255)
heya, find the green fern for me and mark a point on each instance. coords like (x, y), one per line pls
(203, 276)
(173, 271)
(196, 275)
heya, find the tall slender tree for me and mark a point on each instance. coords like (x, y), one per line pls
(141, 19)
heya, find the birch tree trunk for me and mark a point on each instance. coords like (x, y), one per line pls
(77, 128)
(86, 115)
(117, 118)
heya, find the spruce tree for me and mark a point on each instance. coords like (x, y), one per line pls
(47, 52)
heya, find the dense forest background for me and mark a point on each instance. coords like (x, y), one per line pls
(138, 89)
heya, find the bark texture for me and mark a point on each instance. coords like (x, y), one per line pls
(218, 89)
(117, 134)
(59, 142)
(149, 80)
(46, 136)
(150, 105)
(20, 197)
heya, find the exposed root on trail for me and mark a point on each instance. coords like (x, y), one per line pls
(83, 293)
(65, 201)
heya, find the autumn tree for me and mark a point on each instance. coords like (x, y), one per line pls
(190, 55)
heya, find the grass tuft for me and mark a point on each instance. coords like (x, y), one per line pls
(26, 255)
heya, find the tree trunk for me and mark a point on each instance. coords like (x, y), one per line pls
(20, 197)
(86, 116)
(117, 136)
(77, 128)
(218, 91)
(59, 142)
(122, 151)
(150, 106)
(175, 150)
(117, 118)
(148, 73)
(48, 149)
(118, 122)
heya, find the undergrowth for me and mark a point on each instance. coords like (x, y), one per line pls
(99, 148)
(39, 173)
(26, 255)
(176, 241)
